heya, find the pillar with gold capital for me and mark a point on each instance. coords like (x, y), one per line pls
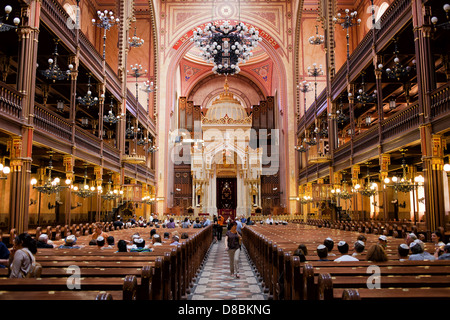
(356, 169)
(433, 164)
(98, 172)
(385, 161)
(68, 162)
(20, 186)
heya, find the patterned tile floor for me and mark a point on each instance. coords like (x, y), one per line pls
(215, 282)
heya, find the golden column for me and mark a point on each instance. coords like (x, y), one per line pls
(98, 172)
(68, 162)
(433, 163)
(356, 169)
(20, 186)
(385, 161)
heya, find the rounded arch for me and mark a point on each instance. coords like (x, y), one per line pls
(270, 50)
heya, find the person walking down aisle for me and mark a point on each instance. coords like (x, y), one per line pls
(232, 243)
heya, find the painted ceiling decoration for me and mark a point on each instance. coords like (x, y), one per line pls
(188, 35)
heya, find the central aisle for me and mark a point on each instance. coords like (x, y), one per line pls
(215, 282)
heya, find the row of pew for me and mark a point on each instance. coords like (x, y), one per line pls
(271, 250)
(90, 273)
(396, 229)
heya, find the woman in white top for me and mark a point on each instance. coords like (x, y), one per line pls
(436, 237)
(22, 258)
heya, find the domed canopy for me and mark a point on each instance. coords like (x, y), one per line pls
(226, 105)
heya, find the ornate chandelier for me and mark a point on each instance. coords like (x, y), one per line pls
(135, 41)
(363, 97)
(54, 72)
(111, 118)
(316, 39)
(398, 71)
(370, 189)
(50, 186)
(226, 45)
(84, 191)
(402, 184)
(88, 100)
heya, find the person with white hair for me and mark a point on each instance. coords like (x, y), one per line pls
(44, 242)
(417, 248)
(410, 238)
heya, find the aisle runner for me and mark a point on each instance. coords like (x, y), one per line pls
(215, 282)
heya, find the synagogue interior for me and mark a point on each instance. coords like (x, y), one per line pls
(318, 114)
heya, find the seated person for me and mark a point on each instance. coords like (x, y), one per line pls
(118, 223)
(343, 249)
(269, 220)
(299, 253)
(99, 232)
(186, 223)
(322, 252)
(109, 242)
(100, 242)
(69, 243)
(156, 240)
(43, 241)
(139, 246)
(329, 243)
(444, 254)
(382, 241)
(403, 251)
(170, 224)
(175, 240)
(184, 235)
(122, 246)
(358, 247)
(197, 223)
(418, 252)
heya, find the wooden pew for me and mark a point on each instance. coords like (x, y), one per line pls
(158, 275)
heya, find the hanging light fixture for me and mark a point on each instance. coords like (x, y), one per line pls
(402, 184)
(135, 41)
(54, 72)
(7, 27)
(398, 72)
(129, 132)
(110, 194)
(84, 191)
(151, 148)
(370, 188)
(88, 100)
(317, 39)
(111, 118)
(50, 186)
(142, 140)
(363, 97)
(226, 45)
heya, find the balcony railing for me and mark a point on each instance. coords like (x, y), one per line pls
(401, 122)
(59, 21)
(52, 123)
(10, 101)
(87, 141)
(440, 101)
